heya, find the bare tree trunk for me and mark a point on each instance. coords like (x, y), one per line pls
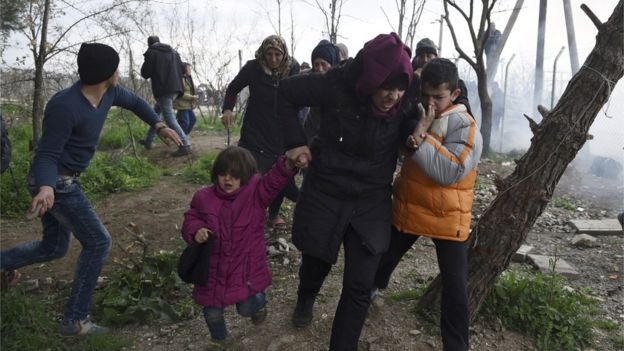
(40, 58)
(486, 107)
(523, 195)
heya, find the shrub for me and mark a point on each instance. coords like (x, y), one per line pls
(145, 291)
(538, 304)
(564, 202)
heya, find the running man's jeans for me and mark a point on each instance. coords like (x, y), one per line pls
(71, 213)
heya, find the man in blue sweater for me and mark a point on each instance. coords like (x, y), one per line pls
(73, 120)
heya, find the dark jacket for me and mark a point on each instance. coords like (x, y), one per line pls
(164, 67)
(353, 162)
(261, 131)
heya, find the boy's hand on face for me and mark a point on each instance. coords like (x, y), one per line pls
(418, 135)
(428, 115)
(202, 235)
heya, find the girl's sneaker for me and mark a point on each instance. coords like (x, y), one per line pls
(220, 345)
(278, 223)
(260, 315)
(83, 327)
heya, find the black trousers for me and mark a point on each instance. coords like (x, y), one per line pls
(357, 282)
(453, 264)
(291, 191)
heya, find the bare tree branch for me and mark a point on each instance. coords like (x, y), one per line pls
(595, 20)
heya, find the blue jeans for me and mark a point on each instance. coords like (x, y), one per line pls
(164, 105)
(216, 322)
(186, 119)
(71, 213)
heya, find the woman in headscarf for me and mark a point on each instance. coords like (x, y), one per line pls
(261, 133)
(345, 199)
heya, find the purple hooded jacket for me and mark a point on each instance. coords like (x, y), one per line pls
(238, 262)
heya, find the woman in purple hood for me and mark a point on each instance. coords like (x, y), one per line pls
(345, 199)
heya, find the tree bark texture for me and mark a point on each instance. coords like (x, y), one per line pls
(40, 58)
(523, 195)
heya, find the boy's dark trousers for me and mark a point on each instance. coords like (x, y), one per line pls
(453, 264)
(357, 282)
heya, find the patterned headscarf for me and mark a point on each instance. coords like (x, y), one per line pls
(278, 43)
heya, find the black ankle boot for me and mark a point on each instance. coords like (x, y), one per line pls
(182, 151)
(302, 316)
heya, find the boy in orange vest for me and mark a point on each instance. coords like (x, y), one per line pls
(433, 195)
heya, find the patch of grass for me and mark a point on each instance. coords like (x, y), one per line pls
(564, 202)
(405, 295)
(28, 323)
(618, 341)
(606, 324)
(210, 124)
(500, 158)
(481, 183)
(106, 342)
(538, 304)
(199, 171)
(110, 173)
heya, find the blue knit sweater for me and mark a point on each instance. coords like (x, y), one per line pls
(72, 127)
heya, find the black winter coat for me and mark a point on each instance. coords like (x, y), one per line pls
(164, 67)
(261, 129)
(353, 162)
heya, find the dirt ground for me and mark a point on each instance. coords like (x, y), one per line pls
(157, 211)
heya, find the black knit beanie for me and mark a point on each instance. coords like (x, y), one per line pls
(327, 51)
(96, 63)
(152, 39)
(426, 46)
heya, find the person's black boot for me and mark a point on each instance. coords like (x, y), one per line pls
(302, 316)
(182, 151)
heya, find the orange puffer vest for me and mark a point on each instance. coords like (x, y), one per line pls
(421, 206)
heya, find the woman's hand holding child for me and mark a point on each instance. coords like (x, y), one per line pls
(202, 235)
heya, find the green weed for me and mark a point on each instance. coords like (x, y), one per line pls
(199, 171)
(564, 202)
(538, 304)
(145, 291)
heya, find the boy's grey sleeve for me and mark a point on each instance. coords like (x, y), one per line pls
(449, 161)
